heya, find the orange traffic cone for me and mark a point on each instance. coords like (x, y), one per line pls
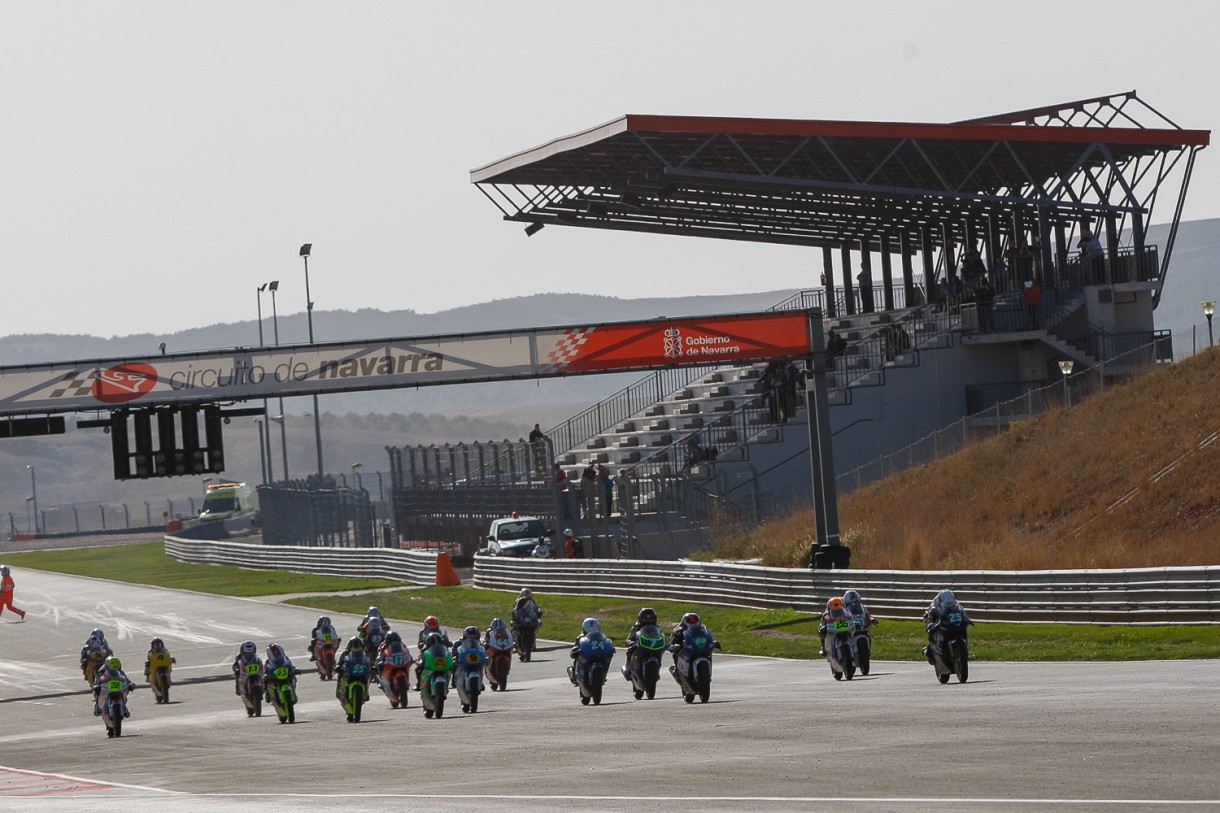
(446, 575)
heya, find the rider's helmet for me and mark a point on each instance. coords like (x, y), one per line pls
(393, 638)
(114, 663)
(157, 645)
(591, 626)
(323, 621)
(834, 605)
(498, 624)
(852, 599)
(431, 624)
(356, 644)
(647, 616)
(945, 599)
(690, 620)
(98, 635)
(568, 532)
(248, 648)
(3, 570)
(275, 652)
(470, 632)
(373, 611)
(526, 593)
(433, 639)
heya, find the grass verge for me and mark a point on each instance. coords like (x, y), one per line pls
(777, 633)
(787, 633)
(146, 563)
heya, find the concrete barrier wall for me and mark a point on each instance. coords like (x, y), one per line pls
(1170, 595)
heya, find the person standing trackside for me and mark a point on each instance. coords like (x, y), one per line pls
(573, 548)
(6, 592)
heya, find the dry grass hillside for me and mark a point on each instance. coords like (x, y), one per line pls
(1127, 478)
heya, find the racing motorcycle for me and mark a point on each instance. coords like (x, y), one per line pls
(395, 675)
(840, 647)
(526, 636)
(948, 652)
(469, 676)
(862, 640)
(252, 689)
(160, 664)
(434, 680)
(324, 656)
(589, 670)
(693, 666)
(94, 658)
(281, 689)
(499, 660)
(354, 688)
(643, 666)
(113, 703)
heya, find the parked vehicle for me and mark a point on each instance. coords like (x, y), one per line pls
(516, 536)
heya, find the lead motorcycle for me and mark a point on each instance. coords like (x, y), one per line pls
(526, 634)
(840, 646)
(434, 677)
(252, 688)
(160, 665)
(113, 703)
(469, 676)
(592, 664)
(643, 667)
(948, 651)
(324, 655)
(693, 665)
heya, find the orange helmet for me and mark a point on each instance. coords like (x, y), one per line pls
(834, 604)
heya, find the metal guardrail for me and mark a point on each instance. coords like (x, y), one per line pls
(415, 567)
(1168, 595)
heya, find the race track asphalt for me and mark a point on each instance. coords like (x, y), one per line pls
(777, 735)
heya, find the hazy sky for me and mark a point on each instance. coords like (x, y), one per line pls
(158, 161)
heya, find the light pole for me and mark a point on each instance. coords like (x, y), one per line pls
(262, 450)
(356, 467)
(274, 286)
(317, 418)
(34, 497)
(1209, 309)
(264, 428)
(29, 523)
(1065, 367)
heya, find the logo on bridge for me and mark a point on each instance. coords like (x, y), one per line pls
(673, 343)
(123, 383)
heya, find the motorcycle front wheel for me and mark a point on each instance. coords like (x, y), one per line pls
(400, 689)
(862, 655)
(652, 671)
(961, 661)
(440, 706)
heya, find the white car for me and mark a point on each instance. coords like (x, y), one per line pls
(516, 536)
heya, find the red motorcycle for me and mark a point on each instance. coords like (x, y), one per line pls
(499, 660)
(395, 675)
(324, 654)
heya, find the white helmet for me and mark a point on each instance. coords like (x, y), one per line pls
(373, 611)
(526, 593)
(3, 570)
(568, 532)
(591, 626)
(945, 598)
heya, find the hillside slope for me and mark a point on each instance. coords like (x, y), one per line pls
(1127, 478)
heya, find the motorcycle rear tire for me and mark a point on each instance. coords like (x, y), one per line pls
(703, 681)
(961, 661)
(596, 691)
(428, 713)
(689, 698)
(584, 700)
(862, 655)
(402, 690)
(838, 675)
(637, 694)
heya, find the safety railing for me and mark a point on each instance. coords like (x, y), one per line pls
(1170, 595)
(413, 566)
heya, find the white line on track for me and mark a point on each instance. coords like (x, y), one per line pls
(744, 799)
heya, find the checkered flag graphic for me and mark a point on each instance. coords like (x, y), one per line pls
(75, 385)
(565, 350)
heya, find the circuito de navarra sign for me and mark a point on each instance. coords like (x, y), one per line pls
(246, 373)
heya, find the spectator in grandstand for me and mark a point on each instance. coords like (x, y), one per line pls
(607, 488)
(835, 347)
(1032, 295)
(984, 298)
(1093, 256)
(588, 490)
(790, 391)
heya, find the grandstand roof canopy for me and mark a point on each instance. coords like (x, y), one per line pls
(836, 182)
